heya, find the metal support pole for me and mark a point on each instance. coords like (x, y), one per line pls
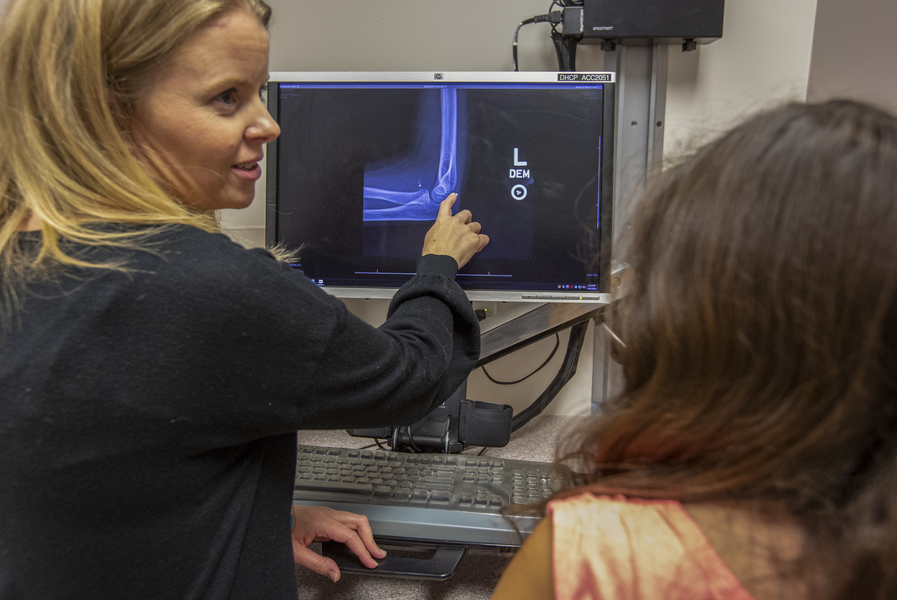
(641, 106)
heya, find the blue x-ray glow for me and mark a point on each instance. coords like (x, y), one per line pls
(411, 186)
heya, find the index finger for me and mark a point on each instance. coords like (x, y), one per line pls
(445, 207)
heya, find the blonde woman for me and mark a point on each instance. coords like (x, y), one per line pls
(152, 373)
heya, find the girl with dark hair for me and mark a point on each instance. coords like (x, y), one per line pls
(753, 450)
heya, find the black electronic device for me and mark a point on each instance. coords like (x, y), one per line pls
(686, 22)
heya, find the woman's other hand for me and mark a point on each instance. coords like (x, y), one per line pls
(454, 235)
(321, 524)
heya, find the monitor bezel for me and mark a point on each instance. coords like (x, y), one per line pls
(602, 296)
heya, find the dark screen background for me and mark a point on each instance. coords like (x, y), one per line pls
(548, 239)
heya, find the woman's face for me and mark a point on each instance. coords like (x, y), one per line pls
(200, 125)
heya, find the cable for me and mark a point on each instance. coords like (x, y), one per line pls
(613, 335)
(514, 46)
(553, 17)
(564, 374)
(557, 344)
(565, 48)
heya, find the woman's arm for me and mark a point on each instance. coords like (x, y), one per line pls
(529, 576)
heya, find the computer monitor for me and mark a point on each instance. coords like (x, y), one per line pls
(364, 159)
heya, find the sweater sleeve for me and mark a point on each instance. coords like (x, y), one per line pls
(274, 353)
(230, 345)
(435, 279)
(395, 374)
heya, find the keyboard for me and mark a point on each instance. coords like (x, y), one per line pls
(427, 497)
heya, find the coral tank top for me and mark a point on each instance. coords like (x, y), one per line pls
(615, 548)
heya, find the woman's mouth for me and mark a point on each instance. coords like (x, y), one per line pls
(248, 170)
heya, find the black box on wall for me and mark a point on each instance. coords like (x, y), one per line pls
(652, 21)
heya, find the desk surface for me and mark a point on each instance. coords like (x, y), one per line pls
(478, 572)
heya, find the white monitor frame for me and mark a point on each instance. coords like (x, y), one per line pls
(599, 296)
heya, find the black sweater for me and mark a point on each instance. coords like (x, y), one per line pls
(147, 432)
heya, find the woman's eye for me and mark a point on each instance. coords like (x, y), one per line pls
(228, 97)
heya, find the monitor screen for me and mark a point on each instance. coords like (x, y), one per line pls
(364, 160)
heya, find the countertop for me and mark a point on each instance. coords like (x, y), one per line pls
(478, 572)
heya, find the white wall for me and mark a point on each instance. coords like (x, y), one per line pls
(854, 51)
(763, 59)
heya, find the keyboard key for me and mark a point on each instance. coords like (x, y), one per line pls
(383, 491)
(432, 486)
(440, 497)
(438, 479)
(334, 486)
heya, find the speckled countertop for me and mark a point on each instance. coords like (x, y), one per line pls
(478, 572)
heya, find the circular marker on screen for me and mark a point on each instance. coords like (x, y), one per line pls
(518, 192)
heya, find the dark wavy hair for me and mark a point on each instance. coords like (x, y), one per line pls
(760, 355)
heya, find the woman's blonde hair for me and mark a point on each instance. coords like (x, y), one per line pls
(70, 71)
